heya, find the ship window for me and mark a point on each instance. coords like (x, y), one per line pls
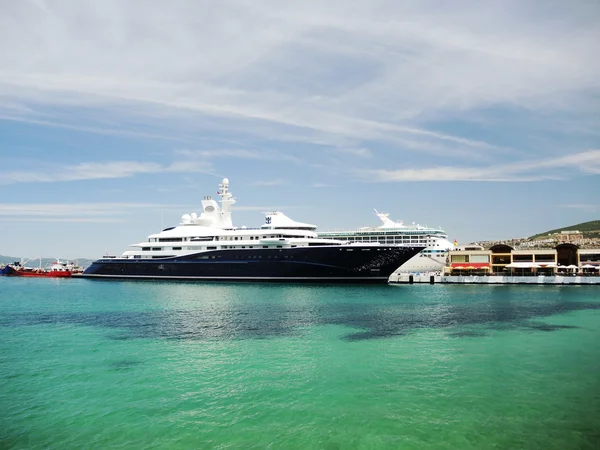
(265, 246)
(146, 249)
(156, 248)
(211, 248)
(176, 248)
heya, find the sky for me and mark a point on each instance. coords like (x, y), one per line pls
(117, 117)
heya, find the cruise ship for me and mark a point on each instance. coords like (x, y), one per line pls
(209, 247)
(431, 259)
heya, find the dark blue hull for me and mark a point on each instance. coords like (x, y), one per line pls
(346, 264)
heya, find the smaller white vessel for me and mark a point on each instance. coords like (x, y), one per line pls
(435, 240)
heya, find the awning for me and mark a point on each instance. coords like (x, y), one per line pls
(522, 265)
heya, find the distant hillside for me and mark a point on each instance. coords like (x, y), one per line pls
(588, 229)
(45, 261)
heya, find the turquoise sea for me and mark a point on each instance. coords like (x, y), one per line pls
(102, 364)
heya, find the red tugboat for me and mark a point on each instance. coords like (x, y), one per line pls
(57, 270)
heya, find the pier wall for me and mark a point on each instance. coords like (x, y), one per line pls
(493, 279)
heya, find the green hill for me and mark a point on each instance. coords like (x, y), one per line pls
(588, 229)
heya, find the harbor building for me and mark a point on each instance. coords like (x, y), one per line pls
(502, 264)
(502, 259)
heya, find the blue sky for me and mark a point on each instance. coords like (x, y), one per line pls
(118, 117)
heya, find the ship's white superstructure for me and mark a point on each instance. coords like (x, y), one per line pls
(431, 259)
(213, 229)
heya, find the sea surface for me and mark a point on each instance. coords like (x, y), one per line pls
(166, 365)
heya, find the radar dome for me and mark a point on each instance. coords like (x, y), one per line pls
(225, 180)
(186, 218)
(194, 216)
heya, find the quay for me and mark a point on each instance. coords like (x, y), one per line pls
(405, 278)
(566, 264)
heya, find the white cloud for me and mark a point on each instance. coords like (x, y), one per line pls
(223, 153)
(532, 170)
(100, 170)
(102, 212)
(360, 152)
(588, 161)
(239, 153)
(267, 183)
(75, 209)
(583, 207)
(48, 123)
(332, 73)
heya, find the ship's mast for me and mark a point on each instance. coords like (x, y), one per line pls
(387, 222)
(226, 201)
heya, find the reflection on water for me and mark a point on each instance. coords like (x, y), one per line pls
(240, 311)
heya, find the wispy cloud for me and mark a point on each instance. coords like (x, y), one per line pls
(76, 209)
(239, 153)
(90, 220)
(102, 212)
(87, 129)
(393, 74)
(267, 183)
(101, 170)
(533, 170)
(373, 71)
(360, 152)
(583, 207)
(224, 153)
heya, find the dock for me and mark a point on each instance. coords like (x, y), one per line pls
(406, 278)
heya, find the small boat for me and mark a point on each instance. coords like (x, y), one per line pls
(58, 269)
